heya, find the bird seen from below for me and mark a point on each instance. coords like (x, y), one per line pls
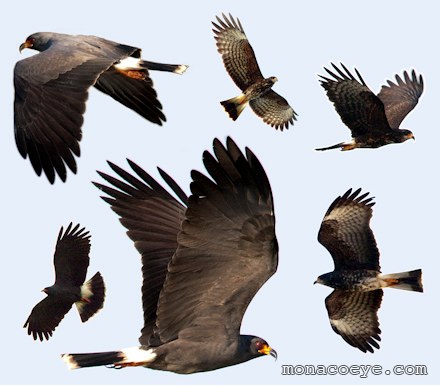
(204, 257)
(240, 62)
(352, 307)
(373, 120)
(51, 90)
(71, 261)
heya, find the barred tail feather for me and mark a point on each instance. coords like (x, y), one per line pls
(135, 356)
(235, 106)
(93, 294)
(408, 280)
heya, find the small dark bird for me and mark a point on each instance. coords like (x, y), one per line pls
(373, 120)
(71, 261)
(240, 62)
(51, 90)
(352, 307)
(204, 257)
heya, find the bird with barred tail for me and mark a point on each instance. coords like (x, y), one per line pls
(358, 282)
(71, 261)
(204, 257)
(240, 62)
(51, 90)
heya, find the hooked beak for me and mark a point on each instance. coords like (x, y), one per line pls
(26, 44)
(266, 349)
(410, 136)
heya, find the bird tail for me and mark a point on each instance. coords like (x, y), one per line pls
(176, 68)
(136, 356)
(87, 360)
(408, 280)
(343, 146)
(92, 297)
(235, 106)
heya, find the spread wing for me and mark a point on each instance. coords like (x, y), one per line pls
(274, 110)
(353, 315)
(345, 232)
(153, 218)
(227, 248)
(359, 108)
(71, 257)
(237, 54)
(400, 99)
(51, 89)
(46, 316)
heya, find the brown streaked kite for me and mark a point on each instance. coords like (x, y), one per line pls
(71, 261)
(51, 90)
(241, 64)
(352, 307)
(373, 120)
(204, 257)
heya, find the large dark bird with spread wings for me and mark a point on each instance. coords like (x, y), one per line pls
(352, 307)
(241, 64)
(71, 261)
(204, 257)
(373, 120)
(51, 90)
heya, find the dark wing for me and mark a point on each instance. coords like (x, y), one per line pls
(51, 89)
(153, 218)
(237, 54)
(136, 94)
(359, 108)
(274, 110)
(345, 232)
(400, 99)
(353, 315)
(227, 249)
(46, 316)
(71, 257)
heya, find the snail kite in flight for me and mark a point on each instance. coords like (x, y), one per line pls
(51, 90)
(204, 257)
(352, 307)
(373, 120)
(71, 261)
(241, 64)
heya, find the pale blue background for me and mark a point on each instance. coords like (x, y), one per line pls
(292, 40)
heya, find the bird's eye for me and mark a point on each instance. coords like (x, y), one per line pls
(259, 345)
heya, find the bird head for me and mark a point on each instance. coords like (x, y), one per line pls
(273, 79)
(407, 134)
(325, 279)
(256, 347)
(39, 41)
(47, 290)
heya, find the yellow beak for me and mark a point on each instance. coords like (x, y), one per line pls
(266, 349)
(26, 44)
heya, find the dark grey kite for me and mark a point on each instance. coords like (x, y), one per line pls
(352, 307)
(51, 90)
(71, 261)
(204, 257)
(241, 64)
(373, 120)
